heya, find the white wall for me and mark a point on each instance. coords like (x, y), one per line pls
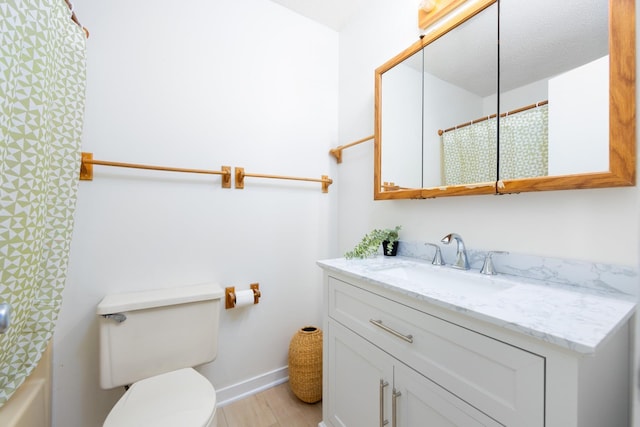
(596, 225)
(402, 102)
(579, 119)
(199, 84)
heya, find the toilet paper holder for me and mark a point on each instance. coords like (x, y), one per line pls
(230, 295)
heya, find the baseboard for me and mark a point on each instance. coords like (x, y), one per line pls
(252, 386)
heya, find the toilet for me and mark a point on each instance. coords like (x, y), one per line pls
(150, 341)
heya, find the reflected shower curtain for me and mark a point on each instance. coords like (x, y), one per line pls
(42, 86)
(524, 144)
(469, 153)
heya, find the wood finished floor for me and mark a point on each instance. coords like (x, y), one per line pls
(275, 407)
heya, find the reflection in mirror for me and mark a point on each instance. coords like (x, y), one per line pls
(460, 83)
(452, 79)
(402, 129)
(556, 52)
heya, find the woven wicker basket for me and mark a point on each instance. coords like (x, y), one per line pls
(305, 364)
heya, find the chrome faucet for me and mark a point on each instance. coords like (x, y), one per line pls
(461, 257)
(437, 257)
(487, 267)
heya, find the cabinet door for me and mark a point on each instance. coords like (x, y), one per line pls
(419, 402)
(355, 369)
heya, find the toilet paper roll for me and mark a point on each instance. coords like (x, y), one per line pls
(244, 298)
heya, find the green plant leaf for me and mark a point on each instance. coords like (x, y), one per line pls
(372, 241)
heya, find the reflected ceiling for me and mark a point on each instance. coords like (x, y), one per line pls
(523, 56)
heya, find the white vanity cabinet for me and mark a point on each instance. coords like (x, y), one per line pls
(368, 387)
(394, 360)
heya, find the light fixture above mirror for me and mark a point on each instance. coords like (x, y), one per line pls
(429, 11)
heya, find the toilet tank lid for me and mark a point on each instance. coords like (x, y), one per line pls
(129, 301)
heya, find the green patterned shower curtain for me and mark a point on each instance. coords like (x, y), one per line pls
(524, 144)
(469, 153)
(42, 89)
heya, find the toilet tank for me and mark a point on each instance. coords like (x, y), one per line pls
(148, 333)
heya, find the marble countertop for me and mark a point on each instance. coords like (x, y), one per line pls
(567, 316)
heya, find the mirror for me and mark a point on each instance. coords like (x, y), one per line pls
(566, 104)
(460, 83)
(402, 103)
(556, 64)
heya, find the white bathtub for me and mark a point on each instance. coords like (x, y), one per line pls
(30, 405)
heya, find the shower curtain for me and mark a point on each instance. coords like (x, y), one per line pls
(42, 89)
(470, 153)
(524, 144)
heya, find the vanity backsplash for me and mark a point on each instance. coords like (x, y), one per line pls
(620, 281)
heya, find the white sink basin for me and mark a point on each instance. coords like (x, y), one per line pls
(441, 279)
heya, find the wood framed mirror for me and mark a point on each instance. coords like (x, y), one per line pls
(454, 85)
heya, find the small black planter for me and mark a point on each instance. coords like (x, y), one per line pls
(394, 248)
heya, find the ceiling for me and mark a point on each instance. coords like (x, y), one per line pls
(332, 13)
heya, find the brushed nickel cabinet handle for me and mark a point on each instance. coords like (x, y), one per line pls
(394, 406)
(379, 324)
(383, 384)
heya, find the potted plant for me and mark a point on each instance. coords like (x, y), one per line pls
(370, 243)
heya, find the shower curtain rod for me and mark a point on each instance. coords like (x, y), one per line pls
(240, 175)
(337, 152)
(87, 162)
(517, 110)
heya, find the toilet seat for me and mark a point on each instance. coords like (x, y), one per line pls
(182, 398)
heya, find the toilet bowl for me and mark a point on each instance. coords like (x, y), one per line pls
(177, 398)
(150, 341)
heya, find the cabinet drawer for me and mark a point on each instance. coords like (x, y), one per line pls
(505, 381)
